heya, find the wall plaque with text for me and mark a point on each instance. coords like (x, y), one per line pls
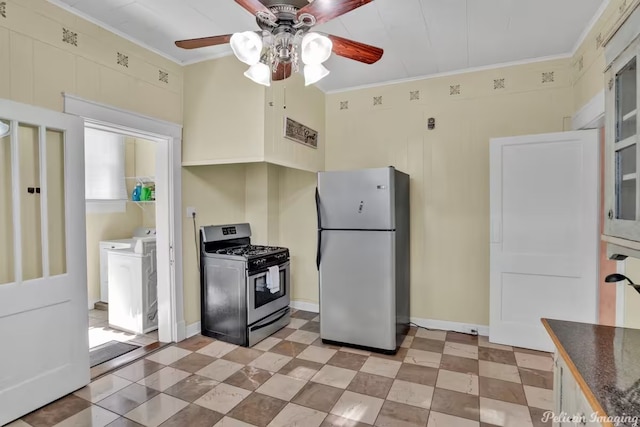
(300, 133)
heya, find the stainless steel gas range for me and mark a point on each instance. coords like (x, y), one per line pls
(245, 288)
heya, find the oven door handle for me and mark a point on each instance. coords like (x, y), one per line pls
(263, 272)
(271, 322)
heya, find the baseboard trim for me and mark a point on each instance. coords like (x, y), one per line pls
(305, 306)
(181, 331)
(445, 325)
(192, 329)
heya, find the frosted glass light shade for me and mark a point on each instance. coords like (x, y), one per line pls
(247, 47)
(4, 129)
(316, 48)
(259, 73)
(314, 73)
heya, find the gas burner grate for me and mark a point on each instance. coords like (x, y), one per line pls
(248, 250)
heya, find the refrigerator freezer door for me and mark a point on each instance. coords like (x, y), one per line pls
(356, 200)
(357, 288)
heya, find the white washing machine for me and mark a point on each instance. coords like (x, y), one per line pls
(133, 287)
(108, 245)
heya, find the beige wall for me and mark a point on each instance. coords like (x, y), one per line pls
(304, 104)
(588, 66)
(262, 199)
(36, 66)
(588, 63)
(631, 297)
(223, 114)
(145, 166)
(298, 230)
(218, 194)
(230, 119)
(449, 166)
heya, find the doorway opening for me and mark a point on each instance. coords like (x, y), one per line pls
(120, 193)
(166, 138)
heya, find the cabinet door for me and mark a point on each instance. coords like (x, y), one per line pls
(585, 411)
(623, 189)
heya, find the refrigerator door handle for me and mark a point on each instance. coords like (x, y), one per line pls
(318, 208)
(318, 250)
(319, 229)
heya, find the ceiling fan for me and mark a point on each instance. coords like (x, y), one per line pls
(273, 52)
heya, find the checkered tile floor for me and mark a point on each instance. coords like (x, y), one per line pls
(437, 379)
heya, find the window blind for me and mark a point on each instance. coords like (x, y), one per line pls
(104, 165)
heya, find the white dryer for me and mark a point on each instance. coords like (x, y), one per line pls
(107, 245)
(133, 287)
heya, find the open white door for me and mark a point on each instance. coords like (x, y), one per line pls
(544, 234)
(43, 294)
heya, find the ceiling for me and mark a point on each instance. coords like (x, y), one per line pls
(420, 37)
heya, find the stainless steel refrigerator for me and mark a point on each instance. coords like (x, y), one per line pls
(363, 257)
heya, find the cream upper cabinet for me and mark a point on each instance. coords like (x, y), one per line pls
(622, 193)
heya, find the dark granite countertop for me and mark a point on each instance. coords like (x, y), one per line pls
(607, 359)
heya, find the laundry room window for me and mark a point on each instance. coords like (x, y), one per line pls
(104, 162)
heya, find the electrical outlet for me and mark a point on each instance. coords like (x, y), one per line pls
(191, 212)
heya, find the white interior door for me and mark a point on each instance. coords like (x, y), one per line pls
(43, 292)
(544, 234)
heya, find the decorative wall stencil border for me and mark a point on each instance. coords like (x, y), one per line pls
(498, 84)
(3, 9)
(123, 60)
(69, 37)
(454, 90)
(377, 100)
(414, 95)
(300, 133)
(548, 77)
(163, 76)
(599, 40)
(344, 105)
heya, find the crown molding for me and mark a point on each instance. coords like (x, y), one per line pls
(115, 31)
(592, 23)
(453, 73)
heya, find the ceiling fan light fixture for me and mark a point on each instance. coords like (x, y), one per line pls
(259, 73)
(314, 73)
(316, 48)
(247, 46)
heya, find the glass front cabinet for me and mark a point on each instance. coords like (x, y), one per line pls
(622, 192)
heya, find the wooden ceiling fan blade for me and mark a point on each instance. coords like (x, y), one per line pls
(325, 10)
(282, 72)
(355, 50)
(203, 42)
(255, 6)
